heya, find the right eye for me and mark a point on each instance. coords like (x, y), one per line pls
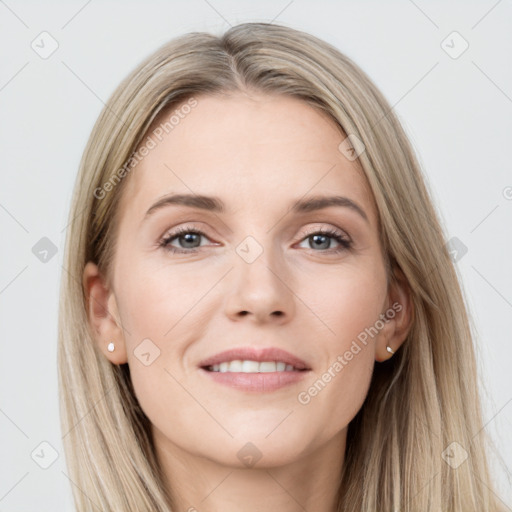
(186, 236)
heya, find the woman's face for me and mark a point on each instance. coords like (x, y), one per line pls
(259, 276)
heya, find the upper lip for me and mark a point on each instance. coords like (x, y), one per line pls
(253, 354)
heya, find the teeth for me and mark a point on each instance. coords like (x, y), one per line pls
(267, 367)
(251, 366)
(234, 366)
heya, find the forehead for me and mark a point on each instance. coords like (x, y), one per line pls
(252, 150)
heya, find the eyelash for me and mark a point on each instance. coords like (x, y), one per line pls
(344, 242)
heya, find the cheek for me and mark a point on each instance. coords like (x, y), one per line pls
(349, 306)
(335, 396)
(347, 300)
(158, 306)
(157, 300)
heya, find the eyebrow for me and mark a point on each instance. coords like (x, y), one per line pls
(216, 205)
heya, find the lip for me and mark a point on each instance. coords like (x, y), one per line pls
(256, 382)
(253, 354)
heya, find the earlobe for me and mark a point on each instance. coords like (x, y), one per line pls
(103, 315)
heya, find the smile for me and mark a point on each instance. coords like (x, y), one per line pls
(248, 366)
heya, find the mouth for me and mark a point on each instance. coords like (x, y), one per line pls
(249, 366)
(249, 369)
(252, 360)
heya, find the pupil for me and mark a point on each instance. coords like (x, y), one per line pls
(316, 237)
(189, 237)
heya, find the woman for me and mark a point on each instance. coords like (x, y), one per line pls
(259, 310)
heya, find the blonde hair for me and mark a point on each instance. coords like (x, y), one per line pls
(419, 402)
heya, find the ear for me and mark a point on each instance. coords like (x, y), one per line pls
(103, 314)
(399, 311)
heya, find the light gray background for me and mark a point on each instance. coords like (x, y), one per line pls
(457, 112)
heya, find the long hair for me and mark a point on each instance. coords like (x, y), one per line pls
(422, 409)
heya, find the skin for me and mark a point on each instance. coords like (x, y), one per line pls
(258, 153)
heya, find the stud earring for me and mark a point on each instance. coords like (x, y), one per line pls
(390, 350)
(111, 347)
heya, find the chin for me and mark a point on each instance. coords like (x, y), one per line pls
(257, 455)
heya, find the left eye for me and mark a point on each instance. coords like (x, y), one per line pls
(322, 237)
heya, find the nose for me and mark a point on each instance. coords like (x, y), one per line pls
(260, 290)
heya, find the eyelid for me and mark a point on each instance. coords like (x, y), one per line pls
(177, 231)
(309, 231)
(330, 227)
(190, 225)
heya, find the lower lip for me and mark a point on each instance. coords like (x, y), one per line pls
(257, 382)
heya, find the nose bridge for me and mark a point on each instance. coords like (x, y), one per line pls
(259, 280)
